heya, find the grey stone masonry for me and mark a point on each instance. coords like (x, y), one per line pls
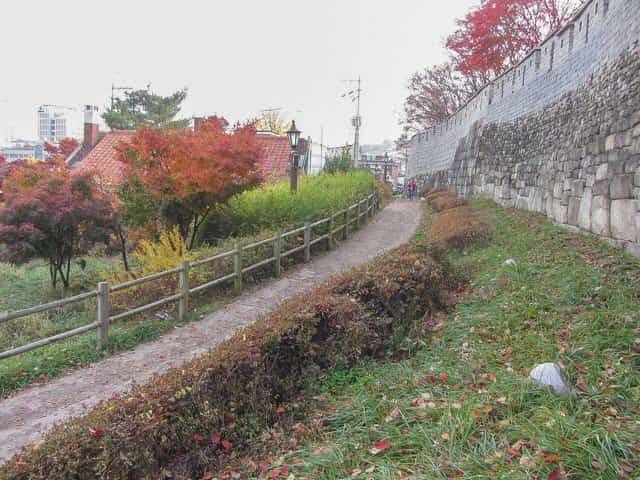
(564, 140)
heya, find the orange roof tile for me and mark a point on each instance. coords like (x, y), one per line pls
(102, 160)
(274, 158)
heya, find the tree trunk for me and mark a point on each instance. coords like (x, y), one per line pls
(193, 234)
(123, 248)
(53, 273)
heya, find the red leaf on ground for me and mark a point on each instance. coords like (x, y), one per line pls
(383, 445)
(444, 377)
(215, 438)
(280, 410)
(551, 458)
(97, 432)
(198, 438)
(555, 475)
(227, 445)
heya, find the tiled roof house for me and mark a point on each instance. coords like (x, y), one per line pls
(98, 153)
(275, 161)
(102, 158)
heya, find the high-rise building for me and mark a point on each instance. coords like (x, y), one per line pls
(52, 123)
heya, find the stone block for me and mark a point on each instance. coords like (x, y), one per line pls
(548, 205)
(602, 187)
(602, 171)
(623, 220)
(624, 139)
(621, 187)
(559, 213)
(576, 187)
(610, 142)
(573, 210)
(600, 215)
(536, 199)
(522, 203)
(557, 189)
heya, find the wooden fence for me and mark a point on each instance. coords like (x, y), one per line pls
(364, 210)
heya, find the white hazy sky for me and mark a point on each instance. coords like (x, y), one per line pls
(236, 57)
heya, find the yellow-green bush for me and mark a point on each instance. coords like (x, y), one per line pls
(273, 207)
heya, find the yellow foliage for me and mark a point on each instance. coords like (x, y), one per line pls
(271, 121)
(164, 254)
(155, 256)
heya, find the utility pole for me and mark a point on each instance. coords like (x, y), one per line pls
(356, 121)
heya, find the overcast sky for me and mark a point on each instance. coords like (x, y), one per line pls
(236, 57)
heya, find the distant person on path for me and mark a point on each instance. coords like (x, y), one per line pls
(411, 188)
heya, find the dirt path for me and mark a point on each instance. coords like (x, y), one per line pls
(27, 415)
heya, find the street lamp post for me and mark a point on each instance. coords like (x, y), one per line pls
(386, 163)
(294, 137)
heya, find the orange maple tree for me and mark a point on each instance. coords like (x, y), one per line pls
(189, 172)
(64, 148)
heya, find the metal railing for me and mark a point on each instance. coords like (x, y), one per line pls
(365, 210)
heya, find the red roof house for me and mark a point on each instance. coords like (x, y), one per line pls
(98, 153)
(102, 158)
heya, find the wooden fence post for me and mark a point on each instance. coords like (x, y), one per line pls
(103, 314)
(331, 231)
(345, 232)
(183, 303)
(237, 268)
(277, 252)
(368, 217)
(307, 242)
(358, 215)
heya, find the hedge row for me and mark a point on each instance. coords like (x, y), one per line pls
(188, 420)
(458, 225)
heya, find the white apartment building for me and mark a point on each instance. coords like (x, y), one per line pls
(52, 123)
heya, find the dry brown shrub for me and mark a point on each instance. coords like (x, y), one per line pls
(458, 227)
(429, 194)
(445, 201)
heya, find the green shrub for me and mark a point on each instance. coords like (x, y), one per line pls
(273, 207)
(180, 423)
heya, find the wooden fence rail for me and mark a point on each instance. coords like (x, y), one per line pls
(365, 210)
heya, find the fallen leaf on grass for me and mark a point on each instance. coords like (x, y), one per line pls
(379, 447)
(555, 475)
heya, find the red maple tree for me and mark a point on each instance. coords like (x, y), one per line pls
(495, 36)
(52, 214)
(189, 173)
(64, 148)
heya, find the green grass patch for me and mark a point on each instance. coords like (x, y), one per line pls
(463, 407)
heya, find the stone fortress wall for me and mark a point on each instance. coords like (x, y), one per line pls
(559, 133)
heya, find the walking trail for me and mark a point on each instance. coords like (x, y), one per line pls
(26, 416)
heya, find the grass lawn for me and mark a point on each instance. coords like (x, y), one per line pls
(26, 286)
(460, 404)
